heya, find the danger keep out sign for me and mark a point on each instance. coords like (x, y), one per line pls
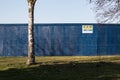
(87, 28)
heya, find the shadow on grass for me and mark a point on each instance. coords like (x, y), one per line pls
(70, 71)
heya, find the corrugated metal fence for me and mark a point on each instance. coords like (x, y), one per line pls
(61, 39)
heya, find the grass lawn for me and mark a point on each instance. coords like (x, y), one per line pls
(61, 68)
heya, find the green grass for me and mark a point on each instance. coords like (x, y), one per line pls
(61, 68)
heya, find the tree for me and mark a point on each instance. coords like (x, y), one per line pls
(31, 54)
(107, 10)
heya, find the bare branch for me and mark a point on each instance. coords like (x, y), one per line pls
(107, 10)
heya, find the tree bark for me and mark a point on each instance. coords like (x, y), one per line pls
(31, 53)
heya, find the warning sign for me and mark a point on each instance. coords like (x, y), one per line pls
(87, 28)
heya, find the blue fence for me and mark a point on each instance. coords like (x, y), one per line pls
(108, 39)
(61, 39)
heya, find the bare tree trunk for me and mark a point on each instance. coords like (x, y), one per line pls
(31, 54)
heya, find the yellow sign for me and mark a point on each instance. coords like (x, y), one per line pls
(87, 28)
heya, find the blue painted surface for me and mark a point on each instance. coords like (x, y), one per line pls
(13, 40)
(60, 40)
(108, 39)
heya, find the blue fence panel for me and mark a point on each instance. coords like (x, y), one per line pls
(102, 40)
(64, 39)
(89, 42)
(113, 39)
(60, 40)
(14, 40)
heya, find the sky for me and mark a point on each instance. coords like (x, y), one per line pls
(47, 11)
